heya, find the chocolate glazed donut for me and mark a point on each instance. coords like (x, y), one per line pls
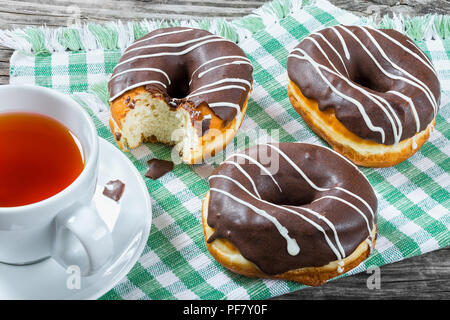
(204, 78)
(372, 94)
(311, 220)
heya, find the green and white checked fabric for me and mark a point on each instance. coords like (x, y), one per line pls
(413, 196)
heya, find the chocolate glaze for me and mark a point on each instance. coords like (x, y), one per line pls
(258, 238)
(202, 126)
(157, 168)
(114, 189)
(175, 62)
(384, 63)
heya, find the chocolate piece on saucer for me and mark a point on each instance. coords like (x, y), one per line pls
(114, 189)
(157, 168)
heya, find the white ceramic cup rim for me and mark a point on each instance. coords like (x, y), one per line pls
(90, 160)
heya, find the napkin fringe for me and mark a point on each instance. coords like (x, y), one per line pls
(96, 98)
(119, 35)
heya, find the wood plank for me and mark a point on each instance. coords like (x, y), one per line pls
(61, 12)
(423, 277)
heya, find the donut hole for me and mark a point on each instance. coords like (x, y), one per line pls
(285, 186)
(370, 81)
(295, 192)
(179, 87)
(295, 199)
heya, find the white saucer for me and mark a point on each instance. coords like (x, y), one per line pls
(130, 221)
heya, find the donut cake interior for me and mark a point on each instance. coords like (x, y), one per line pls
(153, 120)
(180, 86)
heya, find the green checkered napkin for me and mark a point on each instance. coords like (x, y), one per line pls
(413, 196)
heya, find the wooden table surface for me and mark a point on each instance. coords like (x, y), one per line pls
(422, 277)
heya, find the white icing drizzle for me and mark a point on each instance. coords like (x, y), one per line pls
(427, 64)
(344, 45)
(382, 103)
(192, 44)
(340, 267)
(304, 176)
(238, 166)
(318, 227)
(264, 169)
(142, 69)
(325, 55)
(217, 59)
(235, 80)
(201, 74)
(416, 83)
(360, 107)
(397, 132)
(313, 185)
(292, 246)
(179, 53)
(357, 197)
(414, 143)
(351, 206)
(135, 86)
(339, 253)
(333, 48)
(172, 45)
(435, 105)
(226, 104)
(354, 166)
(411, 104)
(369, 242)
(215, 90)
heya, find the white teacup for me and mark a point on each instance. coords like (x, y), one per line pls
(64, 226)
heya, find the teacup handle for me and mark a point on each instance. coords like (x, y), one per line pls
(82, 239)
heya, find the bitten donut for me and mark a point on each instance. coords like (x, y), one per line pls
(372, 94)
(180, 86)
(290, 211)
